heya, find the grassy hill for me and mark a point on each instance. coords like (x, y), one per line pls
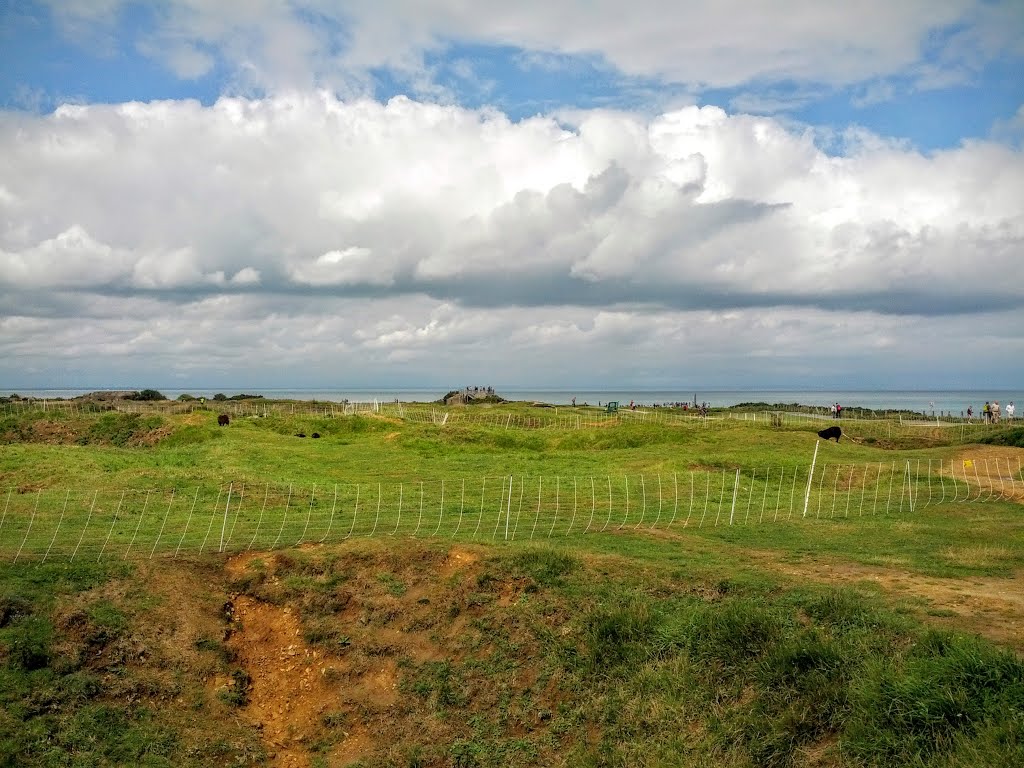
(856, 635)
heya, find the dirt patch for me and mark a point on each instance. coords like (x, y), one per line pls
(308, 701)
(992, 472)
(458, 559)
(52, 432)
(289, 693)
(151, 437)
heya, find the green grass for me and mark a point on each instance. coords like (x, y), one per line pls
(628, 600)
(84, 676)
(630, 659)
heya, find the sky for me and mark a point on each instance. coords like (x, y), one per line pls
(741, 194)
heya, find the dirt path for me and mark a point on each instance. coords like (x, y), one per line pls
(991, 607)
(988, 606)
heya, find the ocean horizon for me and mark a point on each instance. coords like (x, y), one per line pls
(927, 401)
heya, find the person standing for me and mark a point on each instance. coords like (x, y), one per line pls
(1010, 411)
(995, 412)
(986, 412)
(970, 412)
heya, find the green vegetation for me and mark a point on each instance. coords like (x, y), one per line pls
(489, 595)
(88, 676)
(147, 395)
(1007, 436)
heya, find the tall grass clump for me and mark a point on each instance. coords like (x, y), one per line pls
(546, 566)
(948, 694)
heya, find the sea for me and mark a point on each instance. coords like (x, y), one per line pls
(938, 401)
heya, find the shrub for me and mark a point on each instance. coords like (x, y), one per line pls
(1013, 436)
(146, 394)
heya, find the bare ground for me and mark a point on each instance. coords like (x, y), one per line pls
(297, 690)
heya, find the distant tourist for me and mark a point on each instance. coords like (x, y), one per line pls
(995, 412)
(970, 412)
(986, 411)
(1010, 410)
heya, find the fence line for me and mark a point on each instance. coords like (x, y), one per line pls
(570, 417)
(66, 524)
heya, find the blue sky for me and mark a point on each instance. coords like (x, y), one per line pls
(404, 187)
(47, 61)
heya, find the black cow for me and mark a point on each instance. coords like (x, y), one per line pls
(316, 434)
(830, 432)
(223, 420)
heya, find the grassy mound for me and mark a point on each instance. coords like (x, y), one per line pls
(414, 653)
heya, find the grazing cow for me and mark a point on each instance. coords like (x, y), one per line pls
(300, 434)
(316, 434)
(830, 432)
(223, 420)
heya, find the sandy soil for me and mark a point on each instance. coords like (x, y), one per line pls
(295, 689)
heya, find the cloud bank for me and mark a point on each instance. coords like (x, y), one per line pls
(289, 226)
(692, 209)
(705, 43)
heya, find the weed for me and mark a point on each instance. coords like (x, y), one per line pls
(236, 693)
(614, 635)
(394, 586)
(326, 634)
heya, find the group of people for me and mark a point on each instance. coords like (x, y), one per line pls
(837, 411)
(991, 412)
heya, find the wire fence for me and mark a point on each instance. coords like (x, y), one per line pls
(253, 408)
(65, 525)
(551, 417)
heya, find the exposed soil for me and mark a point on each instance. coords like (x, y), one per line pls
(151, 437)
(306, 700)
(72, 432)
(288, 696)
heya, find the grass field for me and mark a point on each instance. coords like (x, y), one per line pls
(507, 590)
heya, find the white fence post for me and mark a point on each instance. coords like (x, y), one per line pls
(224, 526)
(735, 490)
(810, 475)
